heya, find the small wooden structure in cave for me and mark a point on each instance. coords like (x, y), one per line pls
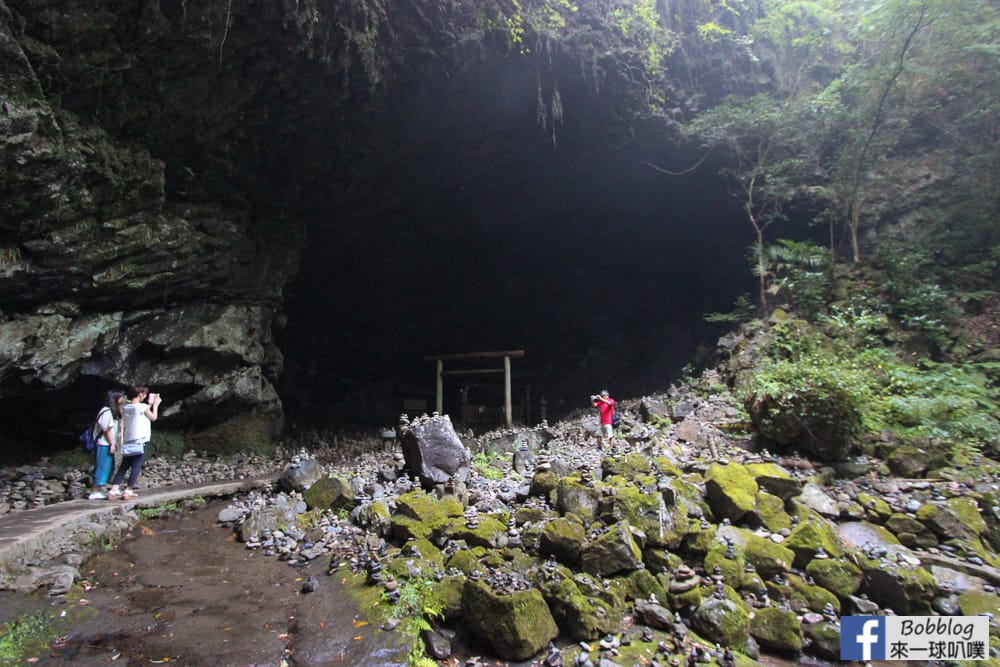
(465, 357)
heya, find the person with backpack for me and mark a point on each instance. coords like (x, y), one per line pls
(138, 414)
(606, 405)
(107, 430)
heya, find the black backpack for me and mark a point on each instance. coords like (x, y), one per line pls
(616, 418)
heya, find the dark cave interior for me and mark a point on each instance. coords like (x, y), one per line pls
(481, 231)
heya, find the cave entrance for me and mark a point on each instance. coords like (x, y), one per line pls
(484, 414)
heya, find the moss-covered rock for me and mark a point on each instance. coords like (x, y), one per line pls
(911, 461)
(876, 509)
(562, 538)
(629, 466)
(662, 524)
(840, 577)
(613, 552)
(777, 629)
(774, 479)
(957, 518)
(464, 560)
(490, 531)
(771, 513)
(812, 597)
(731, 491)
(824, 639)
(448, 592)
(766, 556)
(332, 492)
(974, 603)
(732, 569)
(725, 621)
(517, 626)
(906, 590)
(428, 509)
(526, 515)
(543, 483)
(641, 584)
(579, 616)
(698, 541)
(812, 534)
(574, 497)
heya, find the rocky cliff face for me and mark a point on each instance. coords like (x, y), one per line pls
(126, 254)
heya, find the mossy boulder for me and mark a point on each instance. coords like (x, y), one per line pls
(375, 517)
(732, 568)
(543, 483)
(725, 621)
(771, 513)
(574, 497)
(731, 491)
(562, 538)
(641, 584)
(766, 556)
(464, 560)
(876, 509)
(774, 479)
(689, 497)
(975, 602)
(824, 638)
(662, 524)
(629, 466)
(613, 552)
(777, 629)
(427, 509)
(840, 577)
(957, 518)
(331, 492)
(490, 532)
(526, 515)
(912, 461)
(812, 534)
(517, 626)
(906, 590)
(698, 541)
(448, 592)
(579, 616)
(812, 596)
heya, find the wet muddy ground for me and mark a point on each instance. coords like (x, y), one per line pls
(183, 591)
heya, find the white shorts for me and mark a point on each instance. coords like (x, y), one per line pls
(606, 431)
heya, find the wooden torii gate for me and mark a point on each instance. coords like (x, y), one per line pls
(506, 355)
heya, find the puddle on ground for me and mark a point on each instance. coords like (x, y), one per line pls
(184, 591)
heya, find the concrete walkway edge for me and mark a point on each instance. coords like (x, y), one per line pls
(32, 539)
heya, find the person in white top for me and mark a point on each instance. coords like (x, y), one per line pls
(108, 424)
(141, 410)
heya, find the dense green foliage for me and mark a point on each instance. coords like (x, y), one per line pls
(25, 638)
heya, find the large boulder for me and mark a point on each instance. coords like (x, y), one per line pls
(731, 491)
(724, 620)
(434, 452)
(580, 615)
(613, 552)
(300, 475)
(562, 538)
(777, 629)
(331, 492)
(517, 626)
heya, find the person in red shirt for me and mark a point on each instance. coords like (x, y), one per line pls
(606, 405)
